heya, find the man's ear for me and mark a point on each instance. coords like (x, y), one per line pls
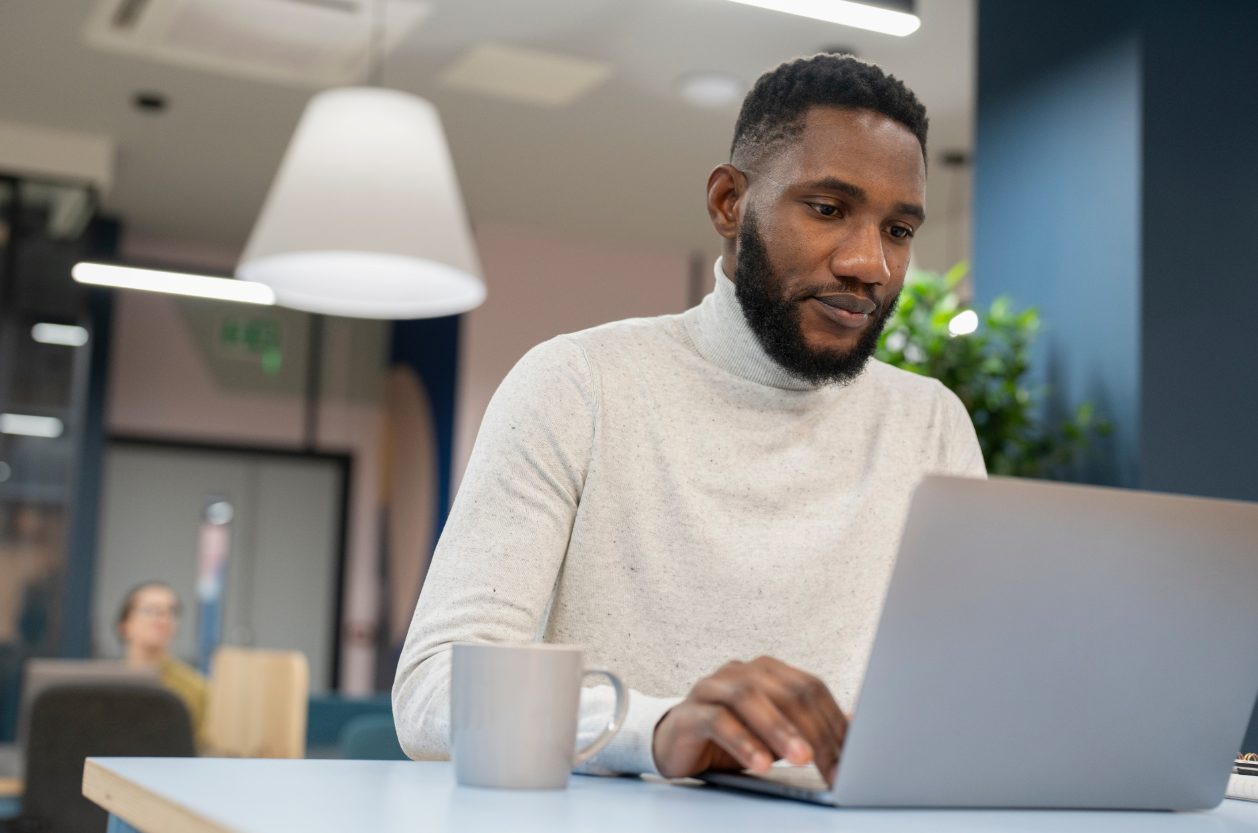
(726, 189)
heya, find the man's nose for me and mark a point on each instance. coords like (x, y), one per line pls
(861, 255)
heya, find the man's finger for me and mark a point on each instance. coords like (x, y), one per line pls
(809, 706)
(721, 727)
(815, 693)
(743, 693)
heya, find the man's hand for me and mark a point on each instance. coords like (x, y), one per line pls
(745, 716)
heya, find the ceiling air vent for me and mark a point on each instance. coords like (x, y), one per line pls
(315, 43)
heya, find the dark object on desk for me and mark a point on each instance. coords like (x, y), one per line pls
(1250, 743)
(70, 723)
(371, 737)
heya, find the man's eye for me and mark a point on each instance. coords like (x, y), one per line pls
(901, 232)
(825, 209)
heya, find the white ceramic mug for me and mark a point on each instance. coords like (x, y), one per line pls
(513, 714)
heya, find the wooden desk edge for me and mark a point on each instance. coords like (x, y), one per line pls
(140, 808)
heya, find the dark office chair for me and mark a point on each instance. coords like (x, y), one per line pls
(70, 723)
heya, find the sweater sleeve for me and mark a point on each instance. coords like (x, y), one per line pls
(499, 556)
(962, 453)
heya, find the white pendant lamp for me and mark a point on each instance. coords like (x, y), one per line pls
(364, 217)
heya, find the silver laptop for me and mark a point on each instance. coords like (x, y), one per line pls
(43, 674)
(1053, 646)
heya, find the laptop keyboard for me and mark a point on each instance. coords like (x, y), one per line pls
(800, 777)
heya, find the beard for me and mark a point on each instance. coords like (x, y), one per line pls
(777, 320)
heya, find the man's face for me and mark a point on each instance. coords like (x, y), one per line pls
(826, 226)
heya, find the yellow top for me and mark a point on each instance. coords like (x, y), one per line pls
(188, 685)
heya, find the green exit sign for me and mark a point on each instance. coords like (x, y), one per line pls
(254, 338)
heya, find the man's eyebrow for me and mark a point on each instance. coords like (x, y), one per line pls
(912, 209)
(832, 183)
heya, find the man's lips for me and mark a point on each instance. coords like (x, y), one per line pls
(852, 312)
(848, 301)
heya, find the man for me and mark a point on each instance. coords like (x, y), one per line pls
(681, 493)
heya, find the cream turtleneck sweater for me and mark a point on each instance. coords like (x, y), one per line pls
(662, 493)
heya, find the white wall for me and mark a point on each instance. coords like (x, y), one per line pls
(945, 239)
(542, 285)
(160, 387)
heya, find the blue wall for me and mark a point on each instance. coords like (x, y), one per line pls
(1057, 214)
(1116, 185)
(1200, 382)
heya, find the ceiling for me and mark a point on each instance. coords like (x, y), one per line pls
(626, 161)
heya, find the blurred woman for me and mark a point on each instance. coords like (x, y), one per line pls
(146, 626)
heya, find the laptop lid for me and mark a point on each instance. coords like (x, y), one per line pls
(1052, 645)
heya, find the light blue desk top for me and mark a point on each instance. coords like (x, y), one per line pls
(206, 795)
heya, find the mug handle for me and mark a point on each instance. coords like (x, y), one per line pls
(613, 725)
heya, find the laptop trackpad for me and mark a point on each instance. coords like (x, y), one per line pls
(802, 783)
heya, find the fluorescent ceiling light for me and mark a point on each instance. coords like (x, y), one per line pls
(31, 426)
(64, 334)
(861, 16)
(173, 283)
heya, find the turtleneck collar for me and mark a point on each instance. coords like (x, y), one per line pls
(722, 335)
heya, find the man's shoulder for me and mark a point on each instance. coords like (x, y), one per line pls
(656, 328)
(890, 376)
(904, 384)
(626, 337)
(632, 342)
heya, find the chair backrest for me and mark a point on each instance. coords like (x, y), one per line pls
(69, 723)
(42, 673)
(329, 713)
(371, 737)
(256, 703)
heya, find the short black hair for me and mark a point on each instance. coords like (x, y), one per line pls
(774, 110)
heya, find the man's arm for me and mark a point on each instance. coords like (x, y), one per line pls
(962, 454)
(495, 567)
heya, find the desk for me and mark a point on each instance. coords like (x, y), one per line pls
(208, 795)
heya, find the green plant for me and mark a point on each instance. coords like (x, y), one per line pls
(986, 369)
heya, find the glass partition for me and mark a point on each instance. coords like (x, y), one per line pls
(45, 344)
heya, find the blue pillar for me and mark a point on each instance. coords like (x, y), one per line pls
(1115, 189)
(1057, 186)
(430, 348)
(1200, 286)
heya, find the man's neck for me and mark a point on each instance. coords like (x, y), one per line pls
(721, 334)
